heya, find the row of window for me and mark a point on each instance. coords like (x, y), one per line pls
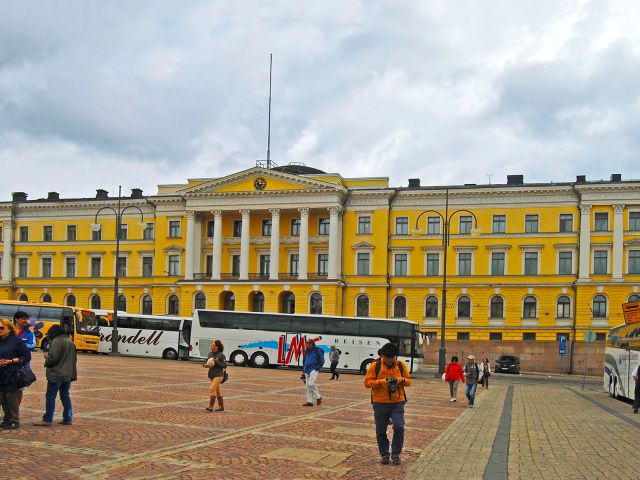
(294, 228)
(526, 336)
(72, 233)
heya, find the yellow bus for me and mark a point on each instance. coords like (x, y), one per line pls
(80, 323)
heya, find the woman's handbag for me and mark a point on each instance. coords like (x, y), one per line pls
(24, 377)
(225, 377)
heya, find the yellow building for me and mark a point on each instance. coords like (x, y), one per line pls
(549, 259)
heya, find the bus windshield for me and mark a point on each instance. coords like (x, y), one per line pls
(86, 322)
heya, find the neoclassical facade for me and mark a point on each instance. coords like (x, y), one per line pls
(548, 259)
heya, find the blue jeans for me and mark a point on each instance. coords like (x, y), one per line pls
(470, 392)
(382, 413)
(52, 392)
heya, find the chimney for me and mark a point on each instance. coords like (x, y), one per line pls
(102, 194)
(19, 197)
(136, 193)
(53, 196)
(515, 179)
(414, 182)
(616, 177)
(581, 179)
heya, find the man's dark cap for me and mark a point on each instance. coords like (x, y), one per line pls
(388, 350)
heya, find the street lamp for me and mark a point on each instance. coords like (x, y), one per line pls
(475, 231)
(95, 226)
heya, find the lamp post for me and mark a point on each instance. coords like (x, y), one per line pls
(446, 220)
(95, 226)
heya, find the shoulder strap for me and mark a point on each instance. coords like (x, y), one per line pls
(378, 367)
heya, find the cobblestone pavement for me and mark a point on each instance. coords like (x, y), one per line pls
(138, 418)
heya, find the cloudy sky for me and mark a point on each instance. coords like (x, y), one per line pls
(97, 94)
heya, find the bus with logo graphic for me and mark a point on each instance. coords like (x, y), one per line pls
(270, 339)
(153, 336)
(80, 323)
(621, 357)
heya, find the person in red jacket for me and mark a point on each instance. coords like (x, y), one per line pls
(453, 374)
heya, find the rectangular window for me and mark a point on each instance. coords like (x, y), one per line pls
(465, 224)
(47, 233)
(265, 260)
(364, 225)
(23, 267)
(96, 234)
(323, 226)
(0, 233)
(601, 223)
(295, 227)
(70, 267)
(363, 263)
(400, 262)
(71, 233)
(495, 336)
(497, 263)
(124, 231)
(531, 223)
(463, 336)
(174, 265)
(565, 263)
(600, 263)
(237, 228)
(402, 225)
(147, 233)
(96, 267)
(174, 228)
(634, 261)
(209, 265)
(323, 264)
(529, 336)
(566, 222)
(235, 265)
(530, 263)
(293, 264)
(210, 228)
(464, 264)
(24, 234)
(266, 228)
(634, 221)
(433, 225)
(46, 268)
(433, 264)
(499, 223)
(147, 267)
(122, 267)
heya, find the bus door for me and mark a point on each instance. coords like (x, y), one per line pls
(184, 345)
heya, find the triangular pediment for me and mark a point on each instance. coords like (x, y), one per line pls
(633, 243)
(260, 180)
(363, 246)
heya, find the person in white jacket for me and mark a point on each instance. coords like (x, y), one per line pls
(485, 373)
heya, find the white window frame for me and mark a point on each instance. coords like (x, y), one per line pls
(66, 231)
(571, 308)
(124, 255)
(172, 254)
(289, 255)
(424, 306)
(142, 257)
(531, 249)
(506, 256)
(174, 219)
(505, 222)
(525, 223)
(573, 252)
(91, 257)
(355, 304)
(600, 248)
(369, 252)
(396, 226)
(370, 217)
(403, 251)
(504, 306)
(608, 229)
(472, 251)
(629, 219)
(629, 250)
(607, 310)
(20, 227)
(573, 219)
(66, 273)
(48, 257)
(51, 226)
(432, 251)
(470, 306)
(309, 301)
(17, 266)
(537, 316)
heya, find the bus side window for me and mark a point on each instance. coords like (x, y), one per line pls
(171, 325)
(102, 322)
(7, 311)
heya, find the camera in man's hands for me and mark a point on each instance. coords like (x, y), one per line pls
(392, 385)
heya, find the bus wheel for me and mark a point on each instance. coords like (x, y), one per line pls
(259, 360)
(170, 354)
(239, 358)
(365, 366)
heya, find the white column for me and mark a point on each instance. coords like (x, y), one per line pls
(334, 243)
(188, 256)
(216, 259)
(274, 253)
(244, 246)
(618, 241)
(7, 258)
(585, 242)
(303, 244)
(197, 244)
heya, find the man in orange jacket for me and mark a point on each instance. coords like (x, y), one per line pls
(387, 378)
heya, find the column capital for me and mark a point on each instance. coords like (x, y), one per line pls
(216, 213)
(274, 212)
(7, 223)
(585, 209)
(191, 214)
(245, 212)
(335, 210)
(304, 211)
(618, 209)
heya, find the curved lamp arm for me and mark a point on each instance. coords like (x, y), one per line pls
(95, 226)
(142, 224)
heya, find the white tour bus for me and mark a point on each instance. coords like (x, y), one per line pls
(147, 335)
(270, 339)
(622, 356)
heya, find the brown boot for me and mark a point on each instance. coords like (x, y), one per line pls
(212, 402)
(220, 405)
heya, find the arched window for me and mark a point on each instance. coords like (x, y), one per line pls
(257, 301)
(315, 304)
(634, 298)
(497, 307)
(23, 298)
(173, 306)
(95, 302)
(563, 309)
(200, 301)
(362, 306)
(464, 307)
(529, 307)
(70, 301)
(599, 306)
(122, 303)
(147, 305)
(431, 307)
(46, 298)
(400, 307)
(229, 301)
(288, 302)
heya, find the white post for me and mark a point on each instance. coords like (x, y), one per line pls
(216, 259)
(303, 244)
(274, 253)
(197, 244)
(334, 242)
(618, 242)
(585, 242)
(244, 245)
(189, 244)
(7, 258)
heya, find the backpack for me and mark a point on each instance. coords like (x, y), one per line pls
(378, 367)
(320, 356)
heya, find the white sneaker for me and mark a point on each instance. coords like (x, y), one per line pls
(452, 399)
